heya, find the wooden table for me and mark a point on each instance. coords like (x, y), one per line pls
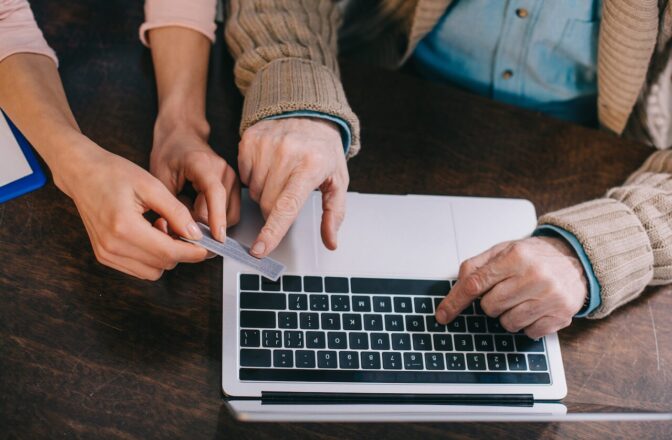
(86, 351)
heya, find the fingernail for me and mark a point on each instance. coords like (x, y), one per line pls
(258, 248)
(222, 233)
(441, 315)
(194, 232)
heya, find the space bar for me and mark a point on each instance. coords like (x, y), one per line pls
(296, 375)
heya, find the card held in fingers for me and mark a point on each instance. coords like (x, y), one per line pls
(268, 267)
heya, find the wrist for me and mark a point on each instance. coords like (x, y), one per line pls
(70, 161)
(176, 117)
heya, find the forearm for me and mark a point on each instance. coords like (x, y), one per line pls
(180, 59)
(32, 95)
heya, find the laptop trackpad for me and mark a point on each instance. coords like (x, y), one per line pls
(391, 235)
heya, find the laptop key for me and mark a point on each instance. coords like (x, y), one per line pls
(348, 359)
(537, 362)
(455, 361)
(476, 324)
(399, 286)
(319, 302)
(270, 285)
(523, 343)
(516, 362)
(391, 361)
(468, 311)
(316, 340)
(373, 322)
(297, 301)
(433, 325)
(291, 283)
(340, 303)
(352, 321)
(504, 343)
(312, 284)
(484, 343)
(337, 340)
(476, 361)
(250, 338)
(394, 323)
(257, 319)
(380, 341)
(413, 361)
(361, 303)
(457, 325)
(309, 321)
(283, 358)
(401, 341)
(443, 342)
(415, 323)
(330, 321)
(336, 285)
(382, 304)
(496, 361)
(423, 305)
(358, 341)
(288, 320)
(304, 358)
(464, 343)
(249, 282)
(477, 308)
(293, 339)
(370, 360)
(422, 342)
(494, 326)
(252, 357)
(271, 338)
(402, 304)
(262, 300)
(326, 359)
(434, 361)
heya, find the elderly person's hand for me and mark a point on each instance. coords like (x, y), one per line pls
(283, 161)
(536, 285)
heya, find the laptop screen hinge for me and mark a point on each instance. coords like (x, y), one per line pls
(280, 397)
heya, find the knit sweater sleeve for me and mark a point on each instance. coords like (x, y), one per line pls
(627, 234)
(19, 32)
(285, 55)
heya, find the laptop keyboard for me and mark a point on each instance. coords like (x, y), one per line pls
(338, 329)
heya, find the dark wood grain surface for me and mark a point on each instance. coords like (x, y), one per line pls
(89, 352)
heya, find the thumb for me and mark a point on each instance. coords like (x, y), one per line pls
(159, 199)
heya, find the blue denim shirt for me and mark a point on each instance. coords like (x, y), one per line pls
(537, 54)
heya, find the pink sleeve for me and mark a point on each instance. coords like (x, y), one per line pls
(19, 32)
(198, 15)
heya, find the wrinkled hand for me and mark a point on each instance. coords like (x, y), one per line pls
(283, 161)
(536, 285)
(182, 154)
(111, 195)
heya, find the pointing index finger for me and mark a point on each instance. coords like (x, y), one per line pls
(284, 212)
(473, 286)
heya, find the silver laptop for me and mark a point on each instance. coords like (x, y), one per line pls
(357, 325)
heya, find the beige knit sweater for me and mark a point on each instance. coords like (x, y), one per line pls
(286, 59)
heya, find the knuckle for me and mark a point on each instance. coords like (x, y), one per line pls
(472, 284)
(153, 274)
(489, 308)
(288, 205)
(108, 245)
(509, 324)
(519, 251)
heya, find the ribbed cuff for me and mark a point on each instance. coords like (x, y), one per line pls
(290, 84)
(616, 244)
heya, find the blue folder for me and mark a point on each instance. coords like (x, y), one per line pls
(28, 183)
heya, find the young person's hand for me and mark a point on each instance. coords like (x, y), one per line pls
(111, 195)
(182, 154)
(537, 285)
(283, 161)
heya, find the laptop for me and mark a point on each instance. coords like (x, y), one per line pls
(357, 324)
